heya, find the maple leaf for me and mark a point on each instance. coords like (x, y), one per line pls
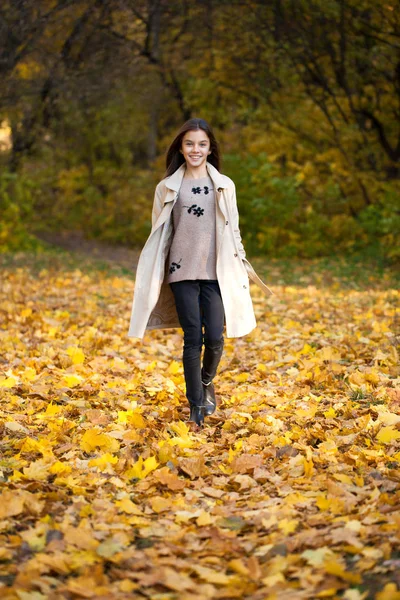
(142, 468)
(289, 490)
(93, 439)
(76, 354)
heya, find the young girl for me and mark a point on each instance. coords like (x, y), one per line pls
(193, 271)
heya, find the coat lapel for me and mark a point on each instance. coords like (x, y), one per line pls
(174, 181)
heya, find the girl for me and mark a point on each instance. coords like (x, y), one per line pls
(193, 271)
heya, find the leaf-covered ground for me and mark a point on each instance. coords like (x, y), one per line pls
(291, 491)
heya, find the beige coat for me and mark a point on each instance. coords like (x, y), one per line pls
(153, 301)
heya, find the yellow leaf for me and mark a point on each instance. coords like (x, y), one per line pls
(81, 538)
(354, 594)
(133, 417)
(174, 368)
(76, 355)
(93, 439)
(174, 580)
(72, 380)
(204, 518)
(328, 447)
(326, 593)
(343, 478)
(334, 568)
(288, 525)
(316, 558)
(182, 442)
(307, 349)
(211, 576)
(379, 355)
(224, 469)
(5, 554)
(127, 506)
(11, 504)
(322, 502)
(110, 546)
(371, 376)
(328, 353)
(330, 413)
(103, 461)
(60, 468)
(387, 435)
(7, 382)
(308, 413)
(353, 525)
(308, 467)
(359, 480)
(242, 377)
(15, 426)
(244, 415)
(389, 592)
(272, 580)
(165, 452)
(180, 428)
(356, 378)
(183, 437)
(386, 417)
(136, 420)
(142, 468)
(52, 409)
(375, 553)
(237, 565)
(29, 374)
(123, 416)
(149, 465)
(126, 585)
(160, 504)
(38, 470)
(149, 368)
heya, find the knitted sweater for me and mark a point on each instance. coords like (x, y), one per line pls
(192, 253)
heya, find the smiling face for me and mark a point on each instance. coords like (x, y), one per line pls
(195, 148)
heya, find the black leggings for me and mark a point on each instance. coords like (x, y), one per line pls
(198, 302)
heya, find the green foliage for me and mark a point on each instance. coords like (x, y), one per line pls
(108, 203)
(16, 208)
(279, 218)
(381, 222)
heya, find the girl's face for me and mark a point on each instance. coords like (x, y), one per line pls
(195, 148)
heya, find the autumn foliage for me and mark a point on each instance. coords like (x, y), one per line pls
(291, 490)
(303, 97)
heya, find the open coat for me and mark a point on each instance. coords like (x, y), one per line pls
(153, 301)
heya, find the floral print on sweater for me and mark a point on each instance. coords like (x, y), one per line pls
(192, 253)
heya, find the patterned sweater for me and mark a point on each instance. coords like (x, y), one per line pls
(192, 253)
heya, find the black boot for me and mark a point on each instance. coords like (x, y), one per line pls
(209, 401)
(211, 358)
(196, 414)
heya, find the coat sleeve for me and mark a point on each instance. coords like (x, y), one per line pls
(235, 217)
(157, 205)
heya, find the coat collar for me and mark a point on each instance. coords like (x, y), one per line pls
(173, 182)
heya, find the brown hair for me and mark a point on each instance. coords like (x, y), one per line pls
(175, 158)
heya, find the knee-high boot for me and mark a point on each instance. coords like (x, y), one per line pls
(194, 387)
(211, 359)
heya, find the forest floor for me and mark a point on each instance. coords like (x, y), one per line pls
(290, 491)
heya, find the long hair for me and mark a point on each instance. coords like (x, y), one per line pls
(175, 158)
